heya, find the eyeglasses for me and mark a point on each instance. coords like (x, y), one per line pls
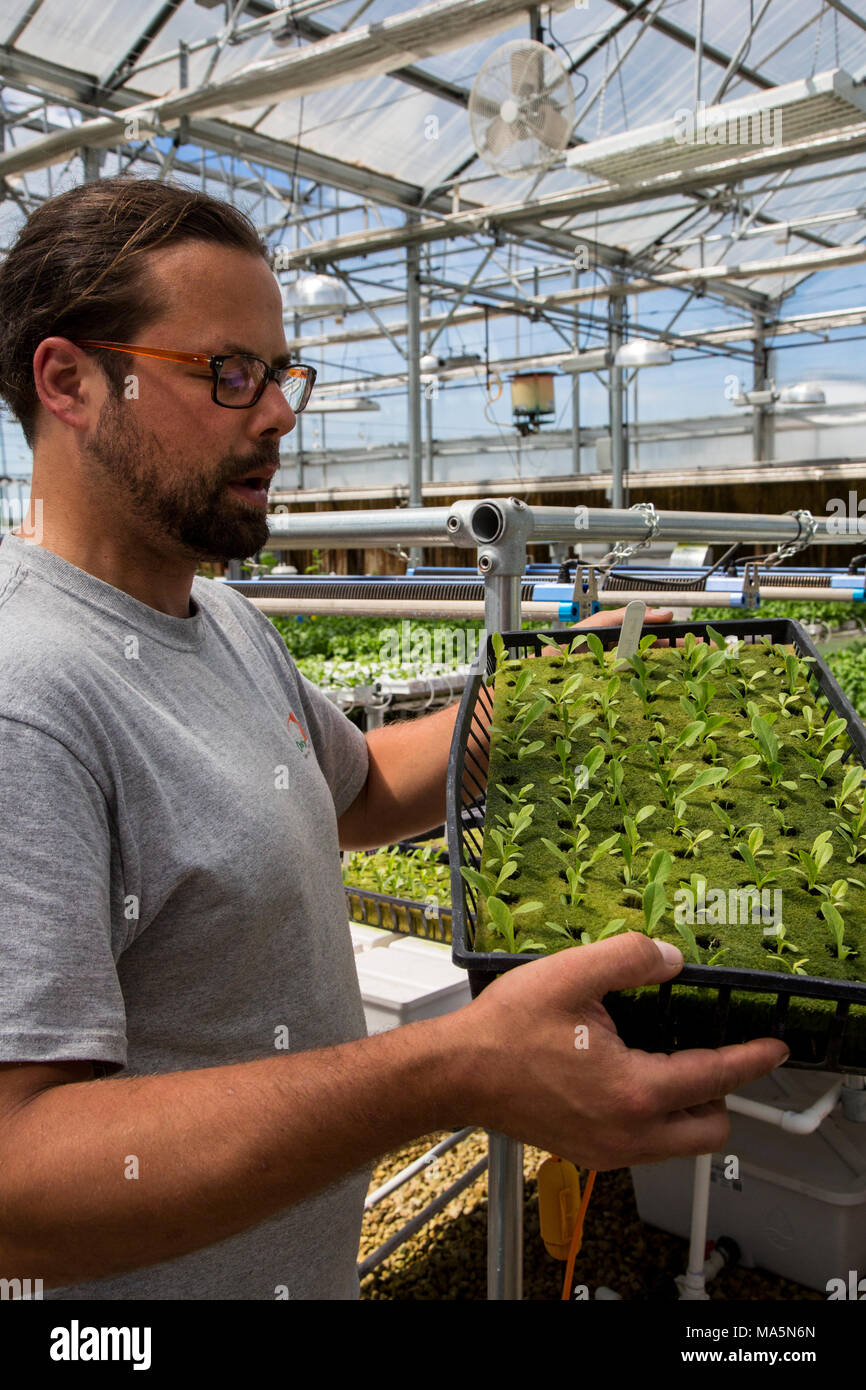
(239, 379)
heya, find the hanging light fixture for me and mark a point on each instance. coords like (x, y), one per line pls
(802, 393)
(314, 296)
(642, 352)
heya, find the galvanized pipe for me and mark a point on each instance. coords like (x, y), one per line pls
(430, 526)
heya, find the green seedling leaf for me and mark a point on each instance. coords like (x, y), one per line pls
(766, 738)
(644, 814)
(523, 908)
(480, 882)
(690, 733)
(742, 764)
(503, 922)
(654, 902)
(528, 749)
(524, 680)
(611, 928)
(560, 928)
(593, 760)
(709, 777)
(659, 866)
(595, 646)
(554, 849)
(688, 937)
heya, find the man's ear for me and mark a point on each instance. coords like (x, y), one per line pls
(68, 383)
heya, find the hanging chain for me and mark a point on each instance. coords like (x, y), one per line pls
(807, 526)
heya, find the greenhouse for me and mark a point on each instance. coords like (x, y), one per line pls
(440, 868)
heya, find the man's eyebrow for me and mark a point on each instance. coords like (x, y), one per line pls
(283, 359)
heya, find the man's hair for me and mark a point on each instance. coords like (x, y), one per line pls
(79, 269)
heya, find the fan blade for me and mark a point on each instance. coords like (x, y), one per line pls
(499, 136)
(549, 125)
(527, 72)
(484, 108)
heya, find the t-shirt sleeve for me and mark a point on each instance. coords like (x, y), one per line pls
(60, 997)
(341, 748)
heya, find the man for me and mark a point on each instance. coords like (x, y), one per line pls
(188, 1105)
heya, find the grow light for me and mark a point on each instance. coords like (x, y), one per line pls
(781, 116)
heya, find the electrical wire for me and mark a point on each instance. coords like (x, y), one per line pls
(576, 1237)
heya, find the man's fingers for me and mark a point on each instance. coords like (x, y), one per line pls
(687, 1134)
(699, 1076)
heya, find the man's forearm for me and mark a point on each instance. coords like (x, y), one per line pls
(405, 791)
(218, 1150)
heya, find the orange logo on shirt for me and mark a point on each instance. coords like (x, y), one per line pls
(302, 741)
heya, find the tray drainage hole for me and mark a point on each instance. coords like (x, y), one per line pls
(565, 844)
(789, 830)
(509, 781)
(563, 875)
(563, 825)
(707, 758)
(556, 680)
(727, 805)
(829, 801)
(782, 803)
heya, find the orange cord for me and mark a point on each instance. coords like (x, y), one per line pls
(576, 1237)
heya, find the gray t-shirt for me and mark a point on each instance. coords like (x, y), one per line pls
(170, 891)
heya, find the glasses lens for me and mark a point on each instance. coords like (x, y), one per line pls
(239, 380)
(296, 384)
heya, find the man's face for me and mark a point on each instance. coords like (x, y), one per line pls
(166, 449)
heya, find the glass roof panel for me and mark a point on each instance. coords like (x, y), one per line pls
(90, 36)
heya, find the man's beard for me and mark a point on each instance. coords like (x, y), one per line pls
(196, 512)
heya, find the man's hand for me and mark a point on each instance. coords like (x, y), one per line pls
(613, 618)
(585, 1095)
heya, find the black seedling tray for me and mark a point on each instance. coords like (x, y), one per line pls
(666, 1018)
(405, 915)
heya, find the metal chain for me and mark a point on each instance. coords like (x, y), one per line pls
(623, 549)
(805, 520)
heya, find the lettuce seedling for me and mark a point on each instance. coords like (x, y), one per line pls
(502, 918)
(783, 945)
(820, 766)
(853, 781)
(630, 842)
(768, 745)
(750, 852)
(654, 900)
(833, 917)
(595, 646)
(813, 860)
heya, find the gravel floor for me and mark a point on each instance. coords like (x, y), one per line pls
(447, 1259)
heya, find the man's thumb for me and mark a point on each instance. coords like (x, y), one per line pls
(626, 961)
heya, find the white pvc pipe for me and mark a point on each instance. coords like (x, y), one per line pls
(474, 608)
(793, 1121)
(693, 1288)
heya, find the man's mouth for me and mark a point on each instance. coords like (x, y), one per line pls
(253, 487)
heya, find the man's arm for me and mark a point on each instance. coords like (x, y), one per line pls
(221, 1149)
(404, 793)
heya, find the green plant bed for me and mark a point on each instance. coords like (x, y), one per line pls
(713, 770)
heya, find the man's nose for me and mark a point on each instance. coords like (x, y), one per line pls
(273, 412)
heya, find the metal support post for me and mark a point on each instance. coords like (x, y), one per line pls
(299, 424)
(575, 387)
(502, 529)
(759, 382)
(413, 354)
(616, 306)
